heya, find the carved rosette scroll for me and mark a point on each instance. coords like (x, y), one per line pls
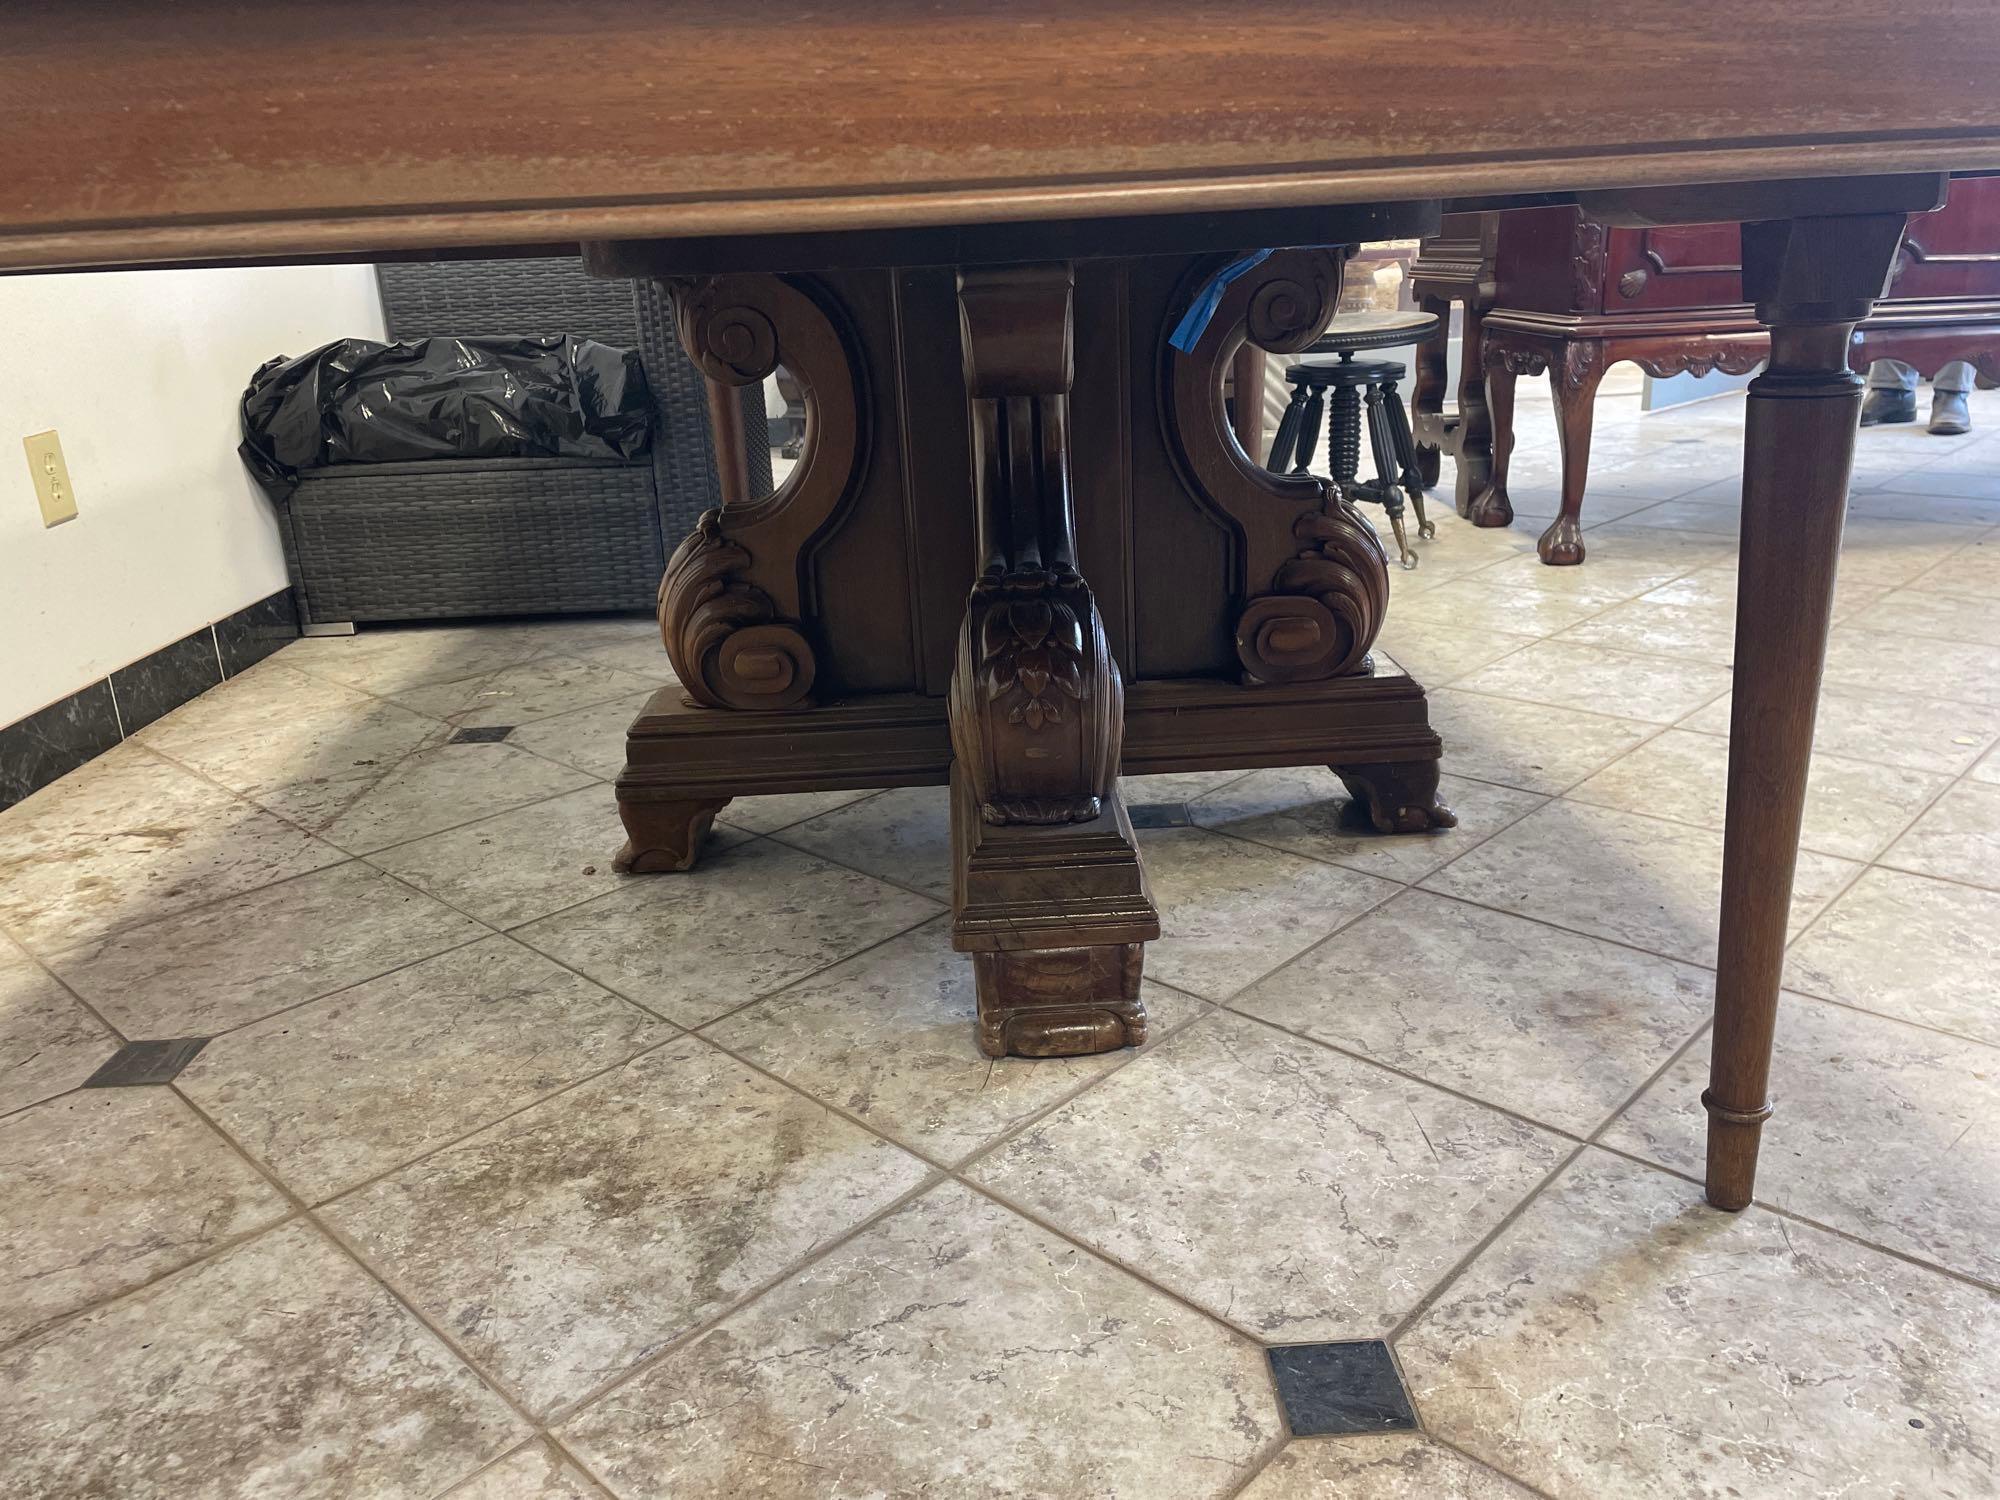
(733, 603)
(1037, 706)
(1311, 571)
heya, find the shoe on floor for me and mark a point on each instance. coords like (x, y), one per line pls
(1888, 406)
(1949, 414)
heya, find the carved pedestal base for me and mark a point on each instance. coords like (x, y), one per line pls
(663, 836)
(1060, 1002)
(1054, 916)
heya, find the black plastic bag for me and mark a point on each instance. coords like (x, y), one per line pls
(357, 401)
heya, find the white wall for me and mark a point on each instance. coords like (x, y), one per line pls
(140, 373)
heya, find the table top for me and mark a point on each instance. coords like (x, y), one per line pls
(212, 129)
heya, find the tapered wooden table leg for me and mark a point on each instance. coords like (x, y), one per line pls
(1812, 279)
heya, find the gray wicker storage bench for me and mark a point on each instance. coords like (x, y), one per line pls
(453, 538)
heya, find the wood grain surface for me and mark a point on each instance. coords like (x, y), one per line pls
(134, 132)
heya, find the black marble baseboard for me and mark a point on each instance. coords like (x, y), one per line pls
(58, 739)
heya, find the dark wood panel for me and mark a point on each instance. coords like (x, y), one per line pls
(139, 131)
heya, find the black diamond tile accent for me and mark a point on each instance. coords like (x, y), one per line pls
(1159, 815)
(1341, 1388)
(484, 734)
(137, 1064)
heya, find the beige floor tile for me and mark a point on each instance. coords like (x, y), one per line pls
(1957, 839)
(128, 839)
(444, 786)
(48, 1043)
(743, 923)
(1853, 807)
(1174, 786)
(1652, 884)
(569, 1243)
(1591, 679)
(1955, 510)
(1306, 810)
(1469, 604)
(1622, 1339)
(335, 1092)
(1861, 660)
(538, 689)
(902, 835)
(1715, 588)
(107, 1189)
(1231, 912)
(1887, 1131)
(536, 1472)
(769, 814)
(1394, 1466)
(1974, 570)
(391, 660)
(1700, 633)
(278, 1368)
(242, 959)
(888, 1037)
(633, 645)
(951, 1349)
(590, 739)
(1439, 654)
(1607, 576)
(1301, 1194)
(1885, 550)
(296, 744)
(527, 863)
(1709, 517)
(1917, 949)
(1553, 1025)
(1924, 734)
(1987, 771)
(1533, 746)
(1943, 617)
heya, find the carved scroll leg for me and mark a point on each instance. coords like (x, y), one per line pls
(1490, 506)
(1798, 445)
(663, 836)
(1475, 418)
(1427, 387)
(1573, 380)
(1401, 796)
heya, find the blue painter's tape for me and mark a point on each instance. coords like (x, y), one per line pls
(1187, 333)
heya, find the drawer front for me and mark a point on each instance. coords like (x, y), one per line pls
(1954, 252)
(1687, 265)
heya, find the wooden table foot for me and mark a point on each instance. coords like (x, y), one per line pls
(1060, 1002)
(1813, 280)
(664, 836)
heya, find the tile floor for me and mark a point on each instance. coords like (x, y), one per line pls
(499, 1176)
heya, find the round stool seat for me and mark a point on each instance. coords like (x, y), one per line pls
(1318, 373)
(1350, 333)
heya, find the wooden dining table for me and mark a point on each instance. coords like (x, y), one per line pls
(1008, 252)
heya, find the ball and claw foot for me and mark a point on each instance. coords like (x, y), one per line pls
(1561, 545)
(1490, 507)
(1401, 796)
